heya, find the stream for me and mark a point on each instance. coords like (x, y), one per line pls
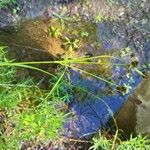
(24, 33)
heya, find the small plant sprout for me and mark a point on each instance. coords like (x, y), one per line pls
(84, 34)
(125, 52)
(63, 18)
(99, 18)
(16, 10)
(54, 32)
(71, 44)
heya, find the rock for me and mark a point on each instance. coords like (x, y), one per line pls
(134, 115)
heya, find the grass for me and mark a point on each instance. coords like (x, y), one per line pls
(22, 120)
(136, 143)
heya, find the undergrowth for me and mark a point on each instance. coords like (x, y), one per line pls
(134, 143)
(23, 119)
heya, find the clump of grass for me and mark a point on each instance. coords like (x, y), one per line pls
(136, 143)
(54, 32)
(100, 143)
(25, 114)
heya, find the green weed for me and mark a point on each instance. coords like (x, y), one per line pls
(63, 18)
(26, 114)
(84, 34)
(137, 143)
(71, 44)
(101, 143)
(99, 18)
(54, 32)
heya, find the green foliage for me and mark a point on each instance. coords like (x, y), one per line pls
(137, 143)
(41, 124)
(99, 18)
(100, 143)
(63, 18)
(38, 125)
(26, 115)
(54, 32)
(16, 10)
(125, 52)
(84, 34)
(9, 89)
(71, 44)
(63, 92)
(3, 3)
(6, 73)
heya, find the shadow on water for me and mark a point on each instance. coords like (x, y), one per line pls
(30, 42)
(19, 53)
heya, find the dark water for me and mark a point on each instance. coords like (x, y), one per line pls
(96, 112)
(92, 108)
